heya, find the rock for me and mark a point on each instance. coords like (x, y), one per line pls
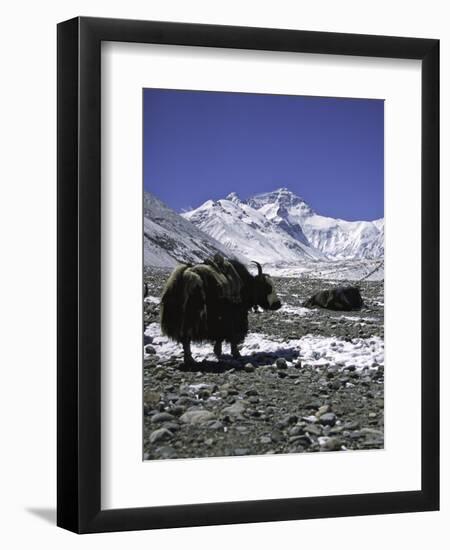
(151, 397)
(276, 436)
(214, 425)
(171, 397)
(162, 417)
(185, 401)
(313, 429)
(197, 417)
(159, 435)
(371, 431)
(281, 363)
(310, 419)
(147, 339)
(264, 439)
(296, 430)
(335, 430)
(351, 425)
(287, 420)
(328, 419)
(240, 452)
(166, 452)
(177, 410)
(323, 409)
(150, 350)
(248, 367)
(234, 410)
(330, 443)
(303, 440)
(242, 429)
(172, 426)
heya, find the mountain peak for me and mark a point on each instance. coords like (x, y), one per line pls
(233, 197)
(280, 198)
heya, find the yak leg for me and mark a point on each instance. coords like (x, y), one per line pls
(187, 351)
(218, 348)
(235, 350)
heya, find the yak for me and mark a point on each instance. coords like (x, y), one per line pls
(210, 301)
(341, 298)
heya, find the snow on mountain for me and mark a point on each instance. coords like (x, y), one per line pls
(244, 230)
(335, 238)
(170, 239)
(277, 228)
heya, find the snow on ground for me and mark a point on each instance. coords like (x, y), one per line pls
(332, 271)
(356, 318)
(295, 310)
(152, 300)
(312, 350)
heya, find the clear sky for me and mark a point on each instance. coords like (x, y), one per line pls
(204, 145)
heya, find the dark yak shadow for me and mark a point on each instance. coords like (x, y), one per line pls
(225, 363)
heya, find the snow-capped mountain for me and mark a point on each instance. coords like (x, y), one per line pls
(170, 239)
(336, 238)
(244, 230)
(280, 227)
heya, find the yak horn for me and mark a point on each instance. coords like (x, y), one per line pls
(258, 265)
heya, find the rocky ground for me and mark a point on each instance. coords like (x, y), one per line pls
(309, 380)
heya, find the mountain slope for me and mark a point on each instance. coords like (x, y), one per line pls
(280, 227)
(170, 239)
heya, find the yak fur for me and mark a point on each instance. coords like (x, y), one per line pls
(341, 298)
(209, 302)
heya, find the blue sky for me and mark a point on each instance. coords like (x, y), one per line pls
(204, 145)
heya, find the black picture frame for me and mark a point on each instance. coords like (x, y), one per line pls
(79, 280)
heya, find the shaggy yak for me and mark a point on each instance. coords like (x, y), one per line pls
(341, 298)
(210, 302)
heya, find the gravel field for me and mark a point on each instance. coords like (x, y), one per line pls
(308, 380)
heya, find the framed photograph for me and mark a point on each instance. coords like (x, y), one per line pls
(248, 275)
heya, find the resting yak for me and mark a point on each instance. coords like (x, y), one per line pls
(341, 298)
(210, 302)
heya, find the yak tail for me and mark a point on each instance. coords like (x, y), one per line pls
(183, 306)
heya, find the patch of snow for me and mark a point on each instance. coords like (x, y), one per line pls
(152, 300)
(355, 318)
(295, 310)
(313, 350)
